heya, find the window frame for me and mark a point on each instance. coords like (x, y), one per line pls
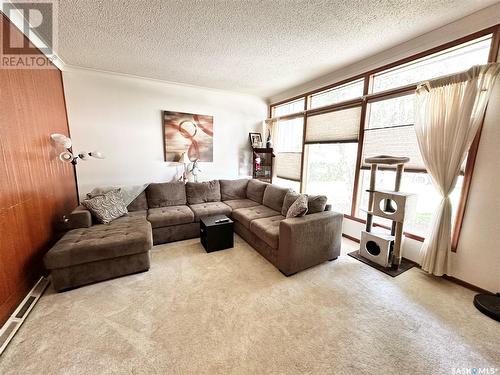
(386, 94)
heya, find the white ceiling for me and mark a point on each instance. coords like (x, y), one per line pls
(257, 47)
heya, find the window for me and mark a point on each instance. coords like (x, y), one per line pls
(389, 131)
(338, 126)
(288, 108)
(288, 148)
(294, 185)
(330, 155)
(351, 90)
(330, 171)
(333, 159)
(449, 61)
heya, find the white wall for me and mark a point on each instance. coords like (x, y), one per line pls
(121, 116)
(477, 259)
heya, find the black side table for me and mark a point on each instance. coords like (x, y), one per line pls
(215, 235)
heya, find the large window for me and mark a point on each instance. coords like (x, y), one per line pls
(330, 170)
(288, 108)
(445, 62)
(288, 151)
(348, 91)
(339, 116)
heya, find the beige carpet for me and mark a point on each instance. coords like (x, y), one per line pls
(232, 312)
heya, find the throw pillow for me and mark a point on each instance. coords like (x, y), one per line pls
(290, 197)
(298, 208)
(316, 203)
(107, 207)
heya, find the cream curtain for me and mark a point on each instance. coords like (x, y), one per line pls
(448, 114)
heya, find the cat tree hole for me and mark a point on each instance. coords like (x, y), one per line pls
(388, 206)
(372, 248)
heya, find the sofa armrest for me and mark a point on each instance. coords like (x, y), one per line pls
(309, 240)
(80, 217)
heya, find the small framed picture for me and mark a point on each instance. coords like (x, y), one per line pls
(255, 139)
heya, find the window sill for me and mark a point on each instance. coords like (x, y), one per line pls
(406, 234)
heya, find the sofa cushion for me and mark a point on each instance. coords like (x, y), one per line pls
(106, 207)
(233, 189)
(298, 208)
(267, 229)
(201, 192)
(273, 197)
(316, 203)
(255, 190)
(209, 209)
(290, 198)
(240, 203)
(166, 194)
(245, 215)
(124, 236)
(140, 203)
(172, 215)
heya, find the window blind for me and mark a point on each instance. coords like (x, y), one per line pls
(394, 141)
(288, 165)
(337, 126)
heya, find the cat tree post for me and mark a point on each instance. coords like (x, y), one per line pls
(397, 186)
(397, 227)
(379, 247)
(369, 216)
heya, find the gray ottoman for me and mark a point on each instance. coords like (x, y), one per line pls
(100, 252)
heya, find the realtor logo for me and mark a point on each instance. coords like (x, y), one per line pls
(28, 40)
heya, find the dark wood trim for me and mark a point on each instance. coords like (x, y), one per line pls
(291, 116)
(471, 159)
(37, 189)
(361, 137)
(302, 158)
(406, 234)
(350, 237)
(466, 284)
(391, 93)
(354, 218)
(331, 142)
(69, 136)
(336, 107)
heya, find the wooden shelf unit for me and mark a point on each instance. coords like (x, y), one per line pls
(264, 172)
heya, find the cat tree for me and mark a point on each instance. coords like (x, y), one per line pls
(382, 248)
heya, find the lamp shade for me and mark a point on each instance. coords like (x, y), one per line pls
(61, 139)
(66, 156)
(97, 154)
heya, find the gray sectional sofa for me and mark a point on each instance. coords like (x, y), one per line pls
(167, 212)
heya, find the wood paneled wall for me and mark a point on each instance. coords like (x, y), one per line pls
(36, 188)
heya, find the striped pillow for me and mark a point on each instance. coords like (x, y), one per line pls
(107, 207)
(298, 208)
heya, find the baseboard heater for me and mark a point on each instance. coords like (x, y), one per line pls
(15, 321)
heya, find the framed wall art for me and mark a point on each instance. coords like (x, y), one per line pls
(187, 132)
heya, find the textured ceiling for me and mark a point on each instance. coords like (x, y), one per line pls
(256, 47)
